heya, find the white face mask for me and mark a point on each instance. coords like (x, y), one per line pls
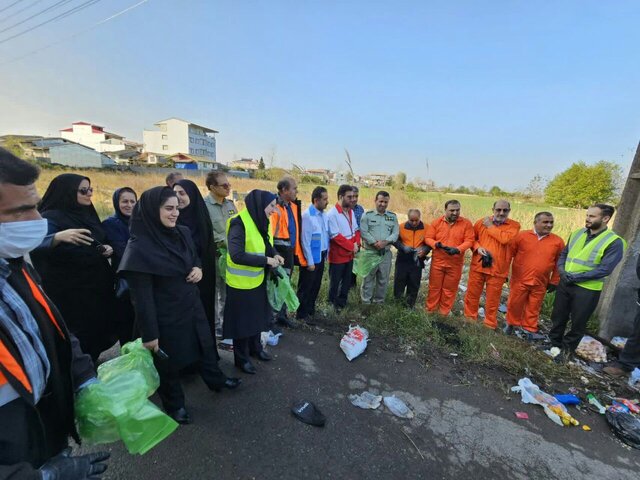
(19, 238)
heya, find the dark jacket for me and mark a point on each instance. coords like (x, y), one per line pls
(31, 434)
(117, 233)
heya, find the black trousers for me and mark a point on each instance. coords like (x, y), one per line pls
(339, 283)
(309, 287)
(170, 390)
(572, 303)
(244, 347)
(407, 276)
(630, 355)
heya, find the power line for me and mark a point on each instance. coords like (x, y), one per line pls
(52, 7)
(4, 19)
(80, 32)
(9, 6)
(62, 15)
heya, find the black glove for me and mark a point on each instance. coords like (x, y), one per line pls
(439, 245)
(487, 260)
(275, 276)
(452, 250)
(65, 467)
(551, 288)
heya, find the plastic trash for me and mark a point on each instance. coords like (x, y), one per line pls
(591, 398)
(222, 263)
(502, 308)
(366, 400)
(591, 349)
(633, 408)
(481, 312)
(280, 291)
(553, 352)
(117, 407)
(522, 415)
(398, 407)
(365, 261)
(634, 378)
(568, 399)
(354, 342)
(619, 342)
(625, 426)
(555, 410)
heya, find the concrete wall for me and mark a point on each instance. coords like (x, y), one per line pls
(73, 155)
(618, 307)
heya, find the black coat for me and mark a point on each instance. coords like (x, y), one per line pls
(31, 434)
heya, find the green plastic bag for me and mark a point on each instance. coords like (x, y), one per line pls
(280, 291)
(222, 263)
(117, 407)
(365, 261)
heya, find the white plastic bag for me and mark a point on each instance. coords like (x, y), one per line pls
(634, 378)
(591, 349)
(555, 410)
(354, 342)
(366, 400)
(398, 407)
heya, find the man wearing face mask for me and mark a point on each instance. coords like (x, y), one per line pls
(41, 364)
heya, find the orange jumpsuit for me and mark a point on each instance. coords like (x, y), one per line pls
(446, 269)
(496, 240)
(534, 267)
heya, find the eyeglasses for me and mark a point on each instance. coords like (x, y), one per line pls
(224, 185)
(85, 190)
(502, 209)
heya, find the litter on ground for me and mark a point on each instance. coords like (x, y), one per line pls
(591, 349)
(366, 400)
(555, 410)
(354, 342)
(398, 407)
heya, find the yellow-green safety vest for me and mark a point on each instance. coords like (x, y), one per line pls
(584, 258)
(243, 276)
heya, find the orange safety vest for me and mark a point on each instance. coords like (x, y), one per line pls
(412, 238)
(280, 229)
(7, 361)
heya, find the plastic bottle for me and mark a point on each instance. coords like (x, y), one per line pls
(594, 401)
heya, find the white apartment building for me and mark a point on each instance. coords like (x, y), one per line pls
(179, 136)
(94, 136)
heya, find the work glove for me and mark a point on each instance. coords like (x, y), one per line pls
(275, 276)
(451, 250)
(65, 467)
(551, 288)
(486, 260)
(439, 245)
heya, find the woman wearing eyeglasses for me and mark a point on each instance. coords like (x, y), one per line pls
(73, 262)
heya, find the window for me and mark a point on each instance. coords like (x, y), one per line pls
(164, 137)
(165, 147)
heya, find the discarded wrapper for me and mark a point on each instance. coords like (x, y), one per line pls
(354, 342)
(366, 400)
(522, 415)
(555, 410)
(398, 407)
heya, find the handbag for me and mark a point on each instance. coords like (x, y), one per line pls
(122, 288)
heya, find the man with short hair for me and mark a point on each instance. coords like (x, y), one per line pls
(412, 251)
(220, 210)
(344, 244)
(41, 363)
(315, 244)
(589, 257)
(285, 227)
(173, 178)
(379, 230)
(534, 272)
(450, 236)
(490, 262)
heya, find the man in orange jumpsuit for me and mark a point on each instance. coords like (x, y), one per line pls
(449, 236)
(534, 272)
(490, 262)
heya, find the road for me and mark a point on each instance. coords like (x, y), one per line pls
(457, 429)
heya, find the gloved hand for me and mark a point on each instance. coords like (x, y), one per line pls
(65, 467)
(452, 250)
(487, 260)
(439, 245)
(551, 288)
(275, 276)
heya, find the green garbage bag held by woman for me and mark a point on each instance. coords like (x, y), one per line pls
(117, 407)
(280, 291)
(365, 261)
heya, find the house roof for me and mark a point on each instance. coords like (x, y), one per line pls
(206, 129)
(126, 153)
(188, 158)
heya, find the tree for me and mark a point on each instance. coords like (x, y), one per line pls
(582, 185)
(536, 186)
(261, 164)
(400, 180)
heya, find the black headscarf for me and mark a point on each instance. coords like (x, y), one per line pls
(116, 203)
(60, 204)
(195, 216)
(152, 247)
(256, 201)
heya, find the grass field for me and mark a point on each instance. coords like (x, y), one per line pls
(431, 204)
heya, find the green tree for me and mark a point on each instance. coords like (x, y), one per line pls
(400, 180)
(496, 191)
(261, 164)
(12, 144)
(582, 185)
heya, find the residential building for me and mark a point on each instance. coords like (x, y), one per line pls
(194, 162)
(179, 136)
(94, 136)
(247, 164)
(377, 179)
(323, 173)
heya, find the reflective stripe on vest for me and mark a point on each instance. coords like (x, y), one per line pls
(584, 258)
(242, 276)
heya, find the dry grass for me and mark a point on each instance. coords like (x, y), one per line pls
(431, 204)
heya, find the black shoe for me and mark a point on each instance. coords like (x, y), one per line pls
(181, 416)
(247, 367)
(229, 383)
(263, 355)
(285, 322)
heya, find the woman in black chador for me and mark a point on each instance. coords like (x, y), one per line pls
(75, 271)
(163, 269)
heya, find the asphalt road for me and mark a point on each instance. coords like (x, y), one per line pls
(458, 430)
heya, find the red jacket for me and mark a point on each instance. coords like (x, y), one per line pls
(344, 234)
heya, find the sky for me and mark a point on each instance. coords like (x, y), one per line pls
(483, 92)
